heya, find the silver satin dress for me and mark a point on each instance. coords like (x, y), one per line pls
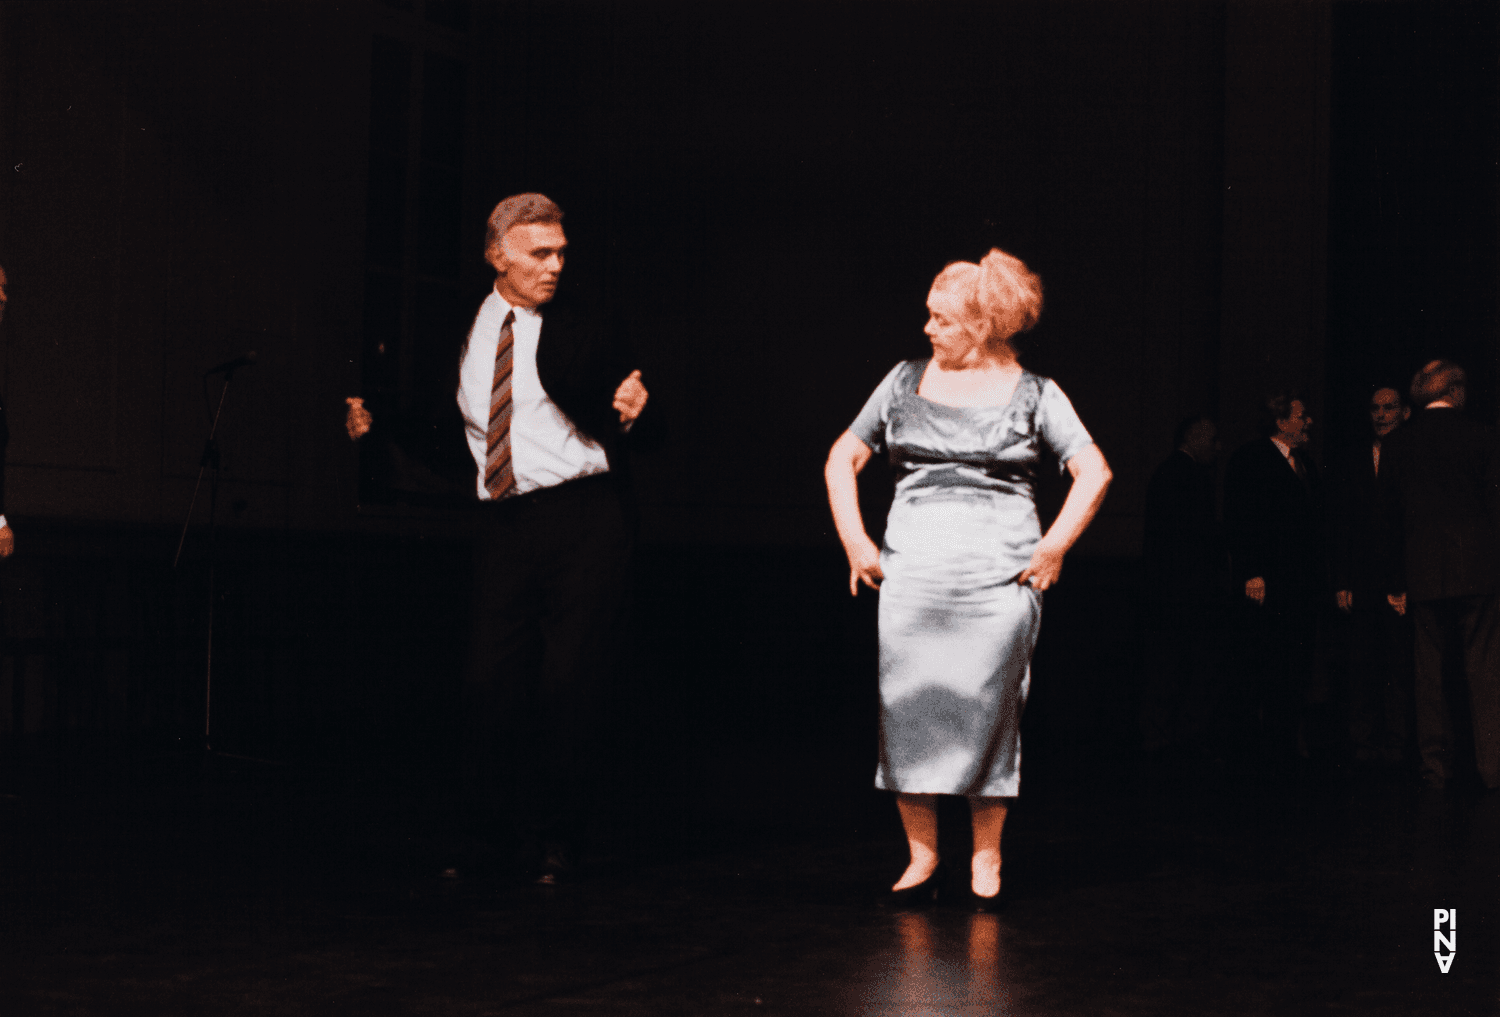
(956, 630)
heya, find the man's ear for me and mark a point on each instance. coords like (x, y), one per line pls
(496, 257)
(1405, 413)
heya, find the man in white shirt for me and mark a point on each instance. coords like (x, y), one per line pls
(532, 430)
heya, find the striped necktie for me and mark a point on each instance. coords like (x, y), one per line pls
(499, 479)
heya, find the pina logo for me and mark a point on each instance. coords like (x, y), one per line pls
(1445, 940)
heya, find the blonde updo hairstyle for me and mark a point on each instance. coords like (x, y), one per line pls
(999, 297)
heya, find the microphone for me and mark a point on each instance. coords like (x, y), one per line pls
(231, 365)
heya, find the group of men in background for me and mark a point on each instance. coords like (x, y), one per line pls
(1385, 570)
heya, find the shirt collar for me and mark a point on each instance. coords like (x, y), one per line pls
(504, 305)
(1439, 404)
(1281, 444)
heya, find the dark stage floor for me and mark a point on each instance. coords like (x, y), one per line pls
(135, 885)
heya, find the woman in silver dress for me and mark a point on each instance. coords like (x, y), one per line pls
(965, 563)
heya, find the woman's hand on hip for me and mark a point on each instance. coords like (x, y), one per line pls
(864, 567)
(1045, 567)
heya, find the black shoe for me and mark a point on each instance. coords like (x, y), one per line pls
(987, 905)
(924, 894)
(557, 865)
(470, 857)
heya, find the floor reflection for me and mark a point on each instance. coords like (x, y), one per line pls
(940, 963)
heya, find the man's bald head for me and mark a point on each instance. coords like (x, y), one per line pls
(1439, 379)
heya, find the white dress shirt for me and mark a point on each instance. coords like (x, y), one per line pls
(545, 448)
(1286, 451)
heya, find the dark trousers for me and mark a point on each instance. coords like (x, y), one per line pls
(1379, 680)
(1181, 689)
(1475, 622)
(549, 581)
(1276, 678)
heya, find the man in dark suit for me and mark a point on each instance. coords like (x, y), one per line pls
(1274, 521)
(1379, 652)
(529, 425)
(1443, 483)
(7, 538)
(1184, 555)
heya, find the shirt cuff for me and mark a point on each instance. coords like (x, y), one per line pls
(3, 523)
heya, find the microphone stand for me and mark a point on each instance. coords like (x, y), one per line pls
(209, 464)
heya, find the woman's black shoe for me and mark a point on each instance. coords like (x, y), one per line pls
(987, 905)
(922, 895)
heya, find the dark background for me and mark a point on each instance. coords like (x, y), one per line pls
(1219, 197)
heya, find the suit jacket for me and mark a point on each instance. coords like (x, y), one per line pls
(1357, 522)
(1274, 521)
(1183, 549)
(581, 360)
(4, 441)
(1441, 502)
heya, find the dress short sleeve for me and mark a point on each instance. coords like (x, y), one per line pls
(1058, 425)
(869, 426)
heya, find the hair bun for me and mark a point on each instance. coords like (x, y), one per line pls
(1010, 294)
(1001, 295)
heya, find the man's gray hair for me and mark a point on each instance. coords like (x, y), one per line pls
(1433, 381)
(518, 209)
